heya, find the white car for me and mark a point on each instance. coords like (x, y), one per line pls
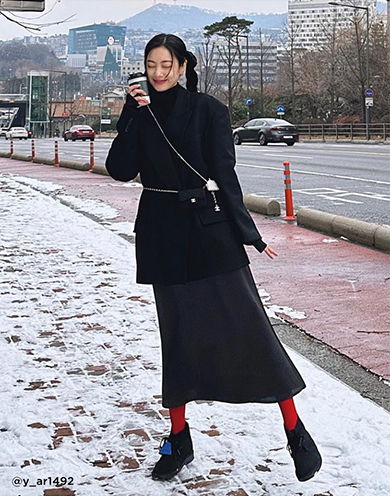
(16, 132)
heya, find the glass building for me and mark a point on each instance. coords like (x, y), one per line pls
(87, 39)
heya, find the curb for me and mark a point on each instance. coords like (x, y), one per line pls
(359, 231)
(24, 158)
(5, 154)
(262, 205)
(99, 169)
(74, 165)
(43, 160)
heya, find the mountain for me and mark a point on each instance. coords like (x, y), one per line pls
(177, 18)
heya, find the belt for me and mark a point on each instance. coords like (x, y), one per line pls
(160, 190)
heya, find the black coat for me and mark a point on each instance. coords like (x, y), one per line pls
(175, 245)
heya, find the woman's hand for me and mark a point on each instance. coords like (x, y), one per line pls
(135, 91)
(270, 252)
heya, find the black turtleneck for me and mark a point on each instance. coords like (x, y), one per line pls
(162, 102)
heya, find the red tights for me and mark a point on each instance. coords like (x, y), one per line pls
(287, 408)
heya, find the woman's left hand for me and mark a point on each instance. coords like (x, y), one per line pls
(270, 252)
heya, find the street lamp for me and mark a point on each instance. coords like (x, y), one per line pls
(366, 9)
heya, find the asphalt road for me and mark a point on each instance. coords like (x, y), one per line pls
(345, 179)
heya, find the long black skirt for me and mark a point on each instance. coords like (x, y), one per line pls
(219, 345)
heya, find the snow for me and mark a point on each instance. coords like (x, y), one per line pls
(80, 351)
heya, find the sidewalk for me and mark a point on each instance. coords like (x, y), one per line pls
(80, 375)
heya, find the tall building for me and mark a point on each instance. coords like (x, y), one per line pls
(99, 47)
(309, 20)
(260, 57)
(87, 39)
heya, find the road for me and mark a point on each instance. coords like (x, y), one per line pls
(345, 179)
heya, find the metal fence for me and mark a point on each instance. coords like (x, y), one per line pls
(350, 132)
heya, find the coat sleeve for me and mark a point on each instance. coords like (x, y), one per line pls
(122, 161)
(223, 161)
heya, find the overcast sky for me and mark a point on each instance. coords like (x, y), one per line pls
(90, 11)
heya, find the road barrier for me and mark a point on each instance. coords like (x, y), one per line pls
(33, 148)
(92, 156)
(288, 193)
(11, 149)
(262, 205)
(56, 156)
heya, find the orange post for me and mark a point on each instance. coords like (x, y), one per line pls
(11, 150)
(92, 157)
(288, 193)
(32, 148)
(56, 156)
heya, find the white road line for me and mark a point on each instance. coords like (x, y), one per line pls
(295, 171)
(286, 156)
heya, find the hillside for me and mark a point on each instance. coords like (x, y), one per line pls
(177, 18)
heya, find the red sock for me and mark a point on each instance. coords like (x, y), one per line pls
(178, 419)
(289, 413)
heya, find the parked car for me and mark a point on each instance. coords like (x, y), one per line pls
(266, 130)
(79, 133)
(17, 133)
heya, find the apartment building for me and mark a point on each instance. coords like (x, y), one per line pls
(310, 20)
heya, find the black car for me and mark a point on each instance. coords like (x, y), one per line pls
(266, 130)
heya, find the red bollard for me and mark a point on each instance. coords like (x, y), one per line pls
(56, 157)
(92, 156)
(11, 147)
(288, 193)
(32, 148)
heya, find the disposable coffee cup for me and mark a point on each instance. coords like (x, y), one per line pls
(142, 80)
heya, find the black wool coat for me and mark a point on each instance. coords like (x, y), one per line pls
(176, 245)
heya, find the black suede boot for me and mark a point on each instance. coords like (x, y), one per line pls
(302, 448)
(176, 452)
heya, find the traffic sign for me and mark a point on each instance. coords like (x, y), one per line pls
(280, 109)
(368, 93)
(369, 102)
(249, 101)
(106, 121)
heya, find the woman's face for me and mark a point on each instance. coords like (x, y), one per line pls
(162, 70)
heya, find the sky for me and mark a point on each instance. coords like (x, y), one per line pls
(117, 10)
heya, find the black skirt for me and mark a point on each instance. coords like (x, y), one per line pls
(219, 345)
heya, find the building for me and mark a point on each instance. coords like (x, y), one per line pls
(87, 39)
(100, 47)
(261, 57)
(309, 21)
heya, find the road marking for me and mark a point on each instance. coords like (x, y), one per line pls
(341, 194)
(295, 171)
(287, 156)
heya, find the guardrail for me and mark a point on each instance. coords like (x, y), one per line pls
(357, 131)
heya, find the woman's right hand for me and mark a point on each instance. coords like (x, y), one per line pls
(135, 91)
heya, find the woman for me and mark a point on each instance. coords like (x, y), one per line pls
(217, 342)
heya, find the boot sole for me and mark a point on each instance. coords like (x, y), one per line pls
(312, 473)
(165, 477)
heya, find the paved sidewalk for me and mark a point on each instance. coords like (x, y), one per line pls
(335, 291)
(81, 372)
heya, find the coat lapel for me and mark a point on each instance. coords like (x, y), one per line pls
(156, 146)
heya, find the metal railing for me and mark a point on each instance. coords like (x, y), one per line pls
(348, 132)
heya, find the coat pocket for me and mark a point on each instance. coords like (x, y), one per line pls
(210, 216)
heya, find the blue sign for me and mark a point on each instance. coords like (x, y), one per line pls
(368, 93)
(280, 109)
(249, 101)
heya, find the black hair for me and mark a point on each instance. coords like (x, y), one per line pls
(177, 49)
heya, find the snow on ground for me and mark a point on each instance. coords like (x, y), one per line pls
(80, 370)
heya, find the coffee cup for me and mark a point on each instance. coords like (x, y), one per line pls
(142, 80)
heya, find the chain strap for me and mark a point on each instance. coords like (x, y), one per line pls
(217, 208)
